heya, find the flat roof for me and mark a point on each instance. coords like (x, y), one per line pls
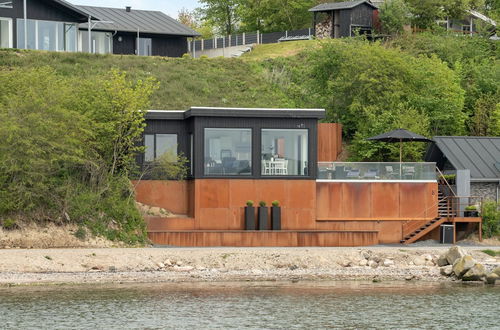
(236, 112)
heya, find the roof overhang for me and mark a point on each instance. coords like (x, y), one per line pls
(236, 112)
(82, 15)
(332, 6)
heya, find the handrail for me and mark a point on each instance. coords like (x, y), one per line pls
(441, 176)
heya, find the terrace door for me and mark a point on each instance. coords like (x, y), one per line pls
(145, 46)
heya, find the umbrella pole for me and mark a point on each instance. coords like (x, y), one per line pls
(401, 159)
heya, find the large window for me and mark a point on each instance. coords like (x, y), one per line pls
(228, 151)
(101, 42)
(47, 35)
(5, 32)
(158, 145)
(284, 152)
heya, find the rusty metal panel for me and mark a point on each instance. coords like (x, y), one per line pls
(356, 200)
(170, 195)
(329, 135)
(385, 200)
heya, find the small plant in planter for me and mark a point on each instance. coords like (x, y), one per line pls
(451, 178)
(249, 216)
(276, 215)
(263, 217)
(471, 211)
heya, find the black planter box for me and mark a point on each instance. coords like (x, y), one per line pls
(263, 218)
(249, 218)
(276, 217)
(471, 214)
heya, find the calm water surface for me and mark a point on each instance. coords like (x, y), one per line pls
(350, 305)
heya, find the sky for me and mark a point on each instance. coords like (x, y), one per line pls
(169, 7)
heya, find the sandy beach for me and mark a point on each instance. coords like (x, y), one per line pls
(125, 265)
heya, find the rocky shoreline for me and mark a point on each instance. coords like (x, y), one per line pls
(80, 266)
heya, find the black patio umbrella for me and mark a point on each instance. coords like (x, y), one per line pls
(399, 135)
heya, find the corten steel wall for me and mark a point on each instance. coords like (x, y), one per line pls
(219, 203)
(376, 201)
(255, 238)
(329, 142)
(170, 195)
(392, 209)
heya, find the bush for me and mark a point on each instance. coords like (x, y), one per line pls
(491, 219)
(262, 204)
(81, 233)
(9, 224)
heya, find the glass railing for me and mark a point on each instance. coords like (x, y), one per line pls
(376, 171)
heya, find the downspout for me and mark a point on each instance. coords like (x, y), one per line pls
(90, 33)
(25, 10)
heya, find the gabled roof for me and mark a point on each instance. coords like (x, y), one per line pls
(72, 8)
(146, 21)
(482, 17)
(481, 155)
(340, 5)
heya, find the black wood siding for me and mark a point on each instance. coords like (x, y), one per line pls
(345, 23)
(163, 45)
(197, 125)
(362, 15)
(40, 10)
(256, 124)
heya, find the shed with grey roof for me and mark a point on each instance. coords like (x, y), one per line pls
(479, 155)
(344, 19)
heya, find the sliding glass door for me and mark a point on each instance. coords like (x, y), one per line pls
(47, 35)
(5, 32)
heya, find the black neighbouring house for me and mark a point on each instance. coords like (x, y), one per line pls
(344, 19)
(56, 25)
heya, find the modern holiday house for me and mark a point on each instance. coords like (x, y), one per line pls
(238, 155)
(56, 25)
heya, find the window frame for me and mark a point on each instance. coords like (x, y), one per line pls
(36, 22)
(11, 30)
(251, 160)
(155, 146)
(290, 176)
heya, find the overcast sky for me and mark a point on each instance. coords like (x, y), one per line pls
(169, 7)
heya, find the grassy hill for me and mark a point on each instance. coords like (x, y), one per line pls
(184, 82)
(283, 49)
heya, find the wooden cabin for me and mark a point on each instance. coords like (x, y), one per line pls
(286, 155)
(344, 19)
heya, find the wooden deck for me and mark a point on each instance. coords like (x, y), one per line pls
(286, 238)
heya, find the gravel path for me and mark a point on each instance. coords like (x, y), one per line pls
(36, 266)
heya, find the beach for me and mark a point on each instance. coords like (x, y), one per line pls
(134, 265)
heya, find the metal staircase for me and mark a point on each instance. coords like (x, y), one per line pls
(445, 212)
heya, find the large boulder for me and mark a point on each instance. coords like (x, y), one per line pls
(496, 271)
(462, 265)
(492, 278)
(442, 260)
(446, 270)
(455, 253)
(476, 273)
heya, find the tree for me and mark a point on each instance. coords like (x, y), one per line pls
(394, 15)
(426, 12)
(187, 18)
(275, 15)
(222, 14)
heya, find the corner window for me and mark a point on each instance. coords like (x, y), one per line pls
(5, 32)
(47, 35)
(228, 152)
(158, 145)
(284, 152)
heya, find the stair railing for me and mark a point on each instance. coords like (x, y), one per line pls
(447, 184)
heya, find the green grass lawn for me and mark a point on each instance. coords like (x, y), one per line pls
(282, 49)
(492, 252)
(184, 82)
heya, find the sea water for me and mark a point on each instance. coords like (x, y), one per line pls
(252, 305)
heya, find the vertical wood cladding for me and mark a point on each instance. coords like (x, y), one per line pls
(39, 10)
(162, 45)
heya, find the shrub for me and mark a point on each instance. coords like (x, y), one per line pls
(491, 219)
(9, 224)
(276, 203)
(262, 204)
(81, 233)
(250, 203)
(471, 208)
